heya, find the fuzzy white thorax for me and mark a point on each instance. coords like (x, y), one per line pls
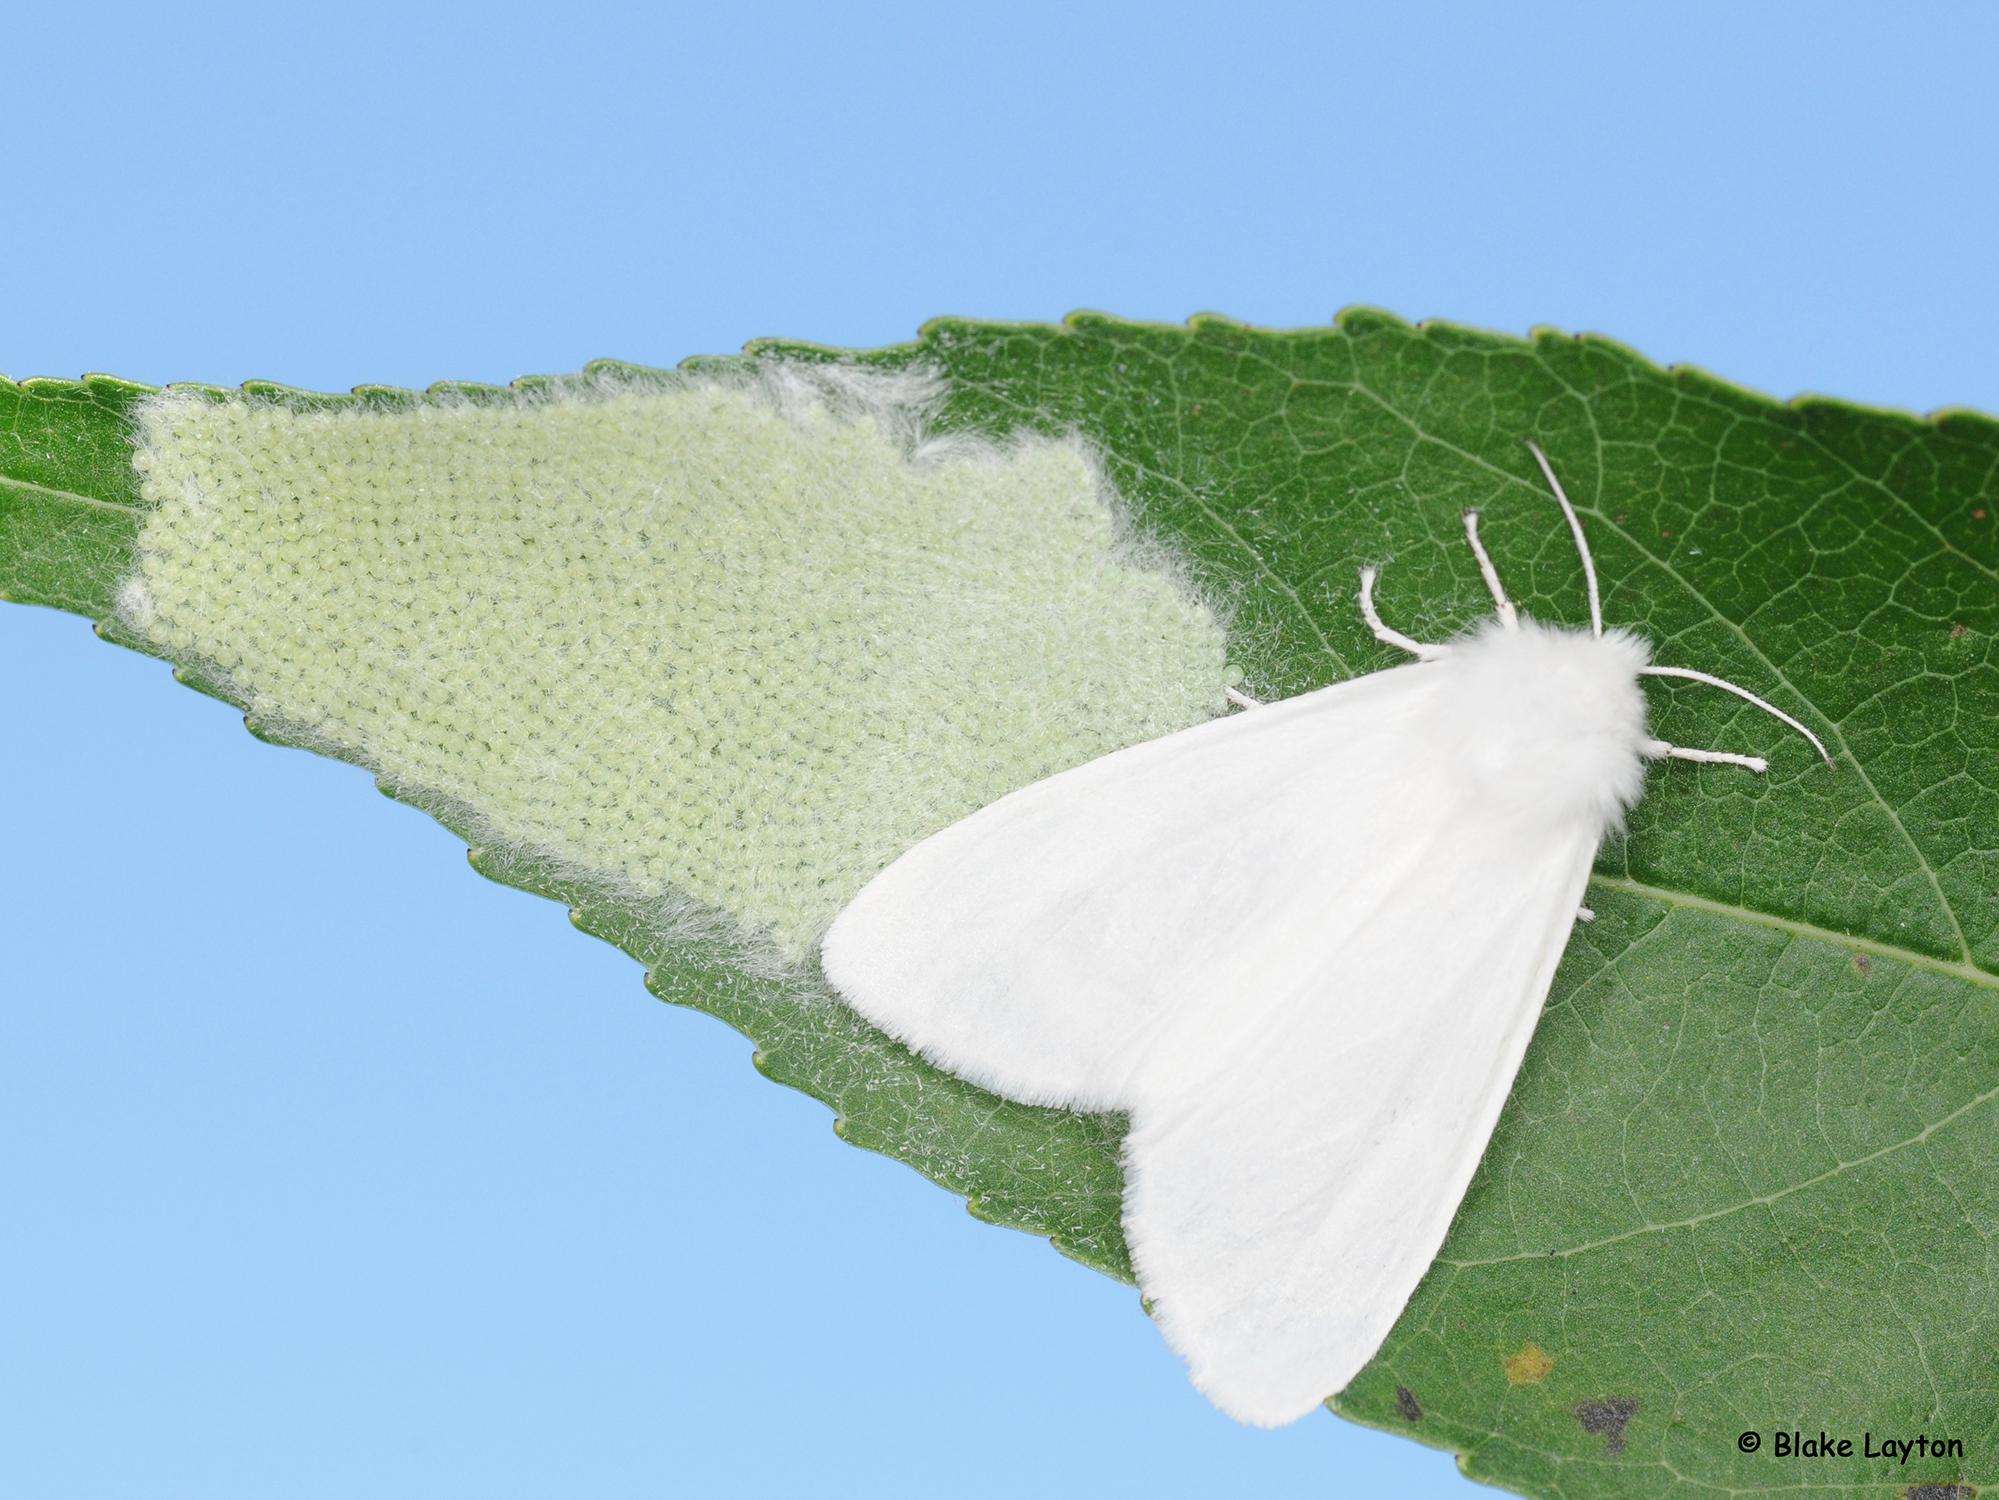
(1548, 721)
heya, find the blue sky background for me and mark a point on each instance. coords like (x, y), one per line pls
(333, 1170)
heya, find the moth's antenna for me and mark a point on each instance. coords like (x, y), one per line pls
(1596, 626)
(1501, 605)
(1576, 526)
(1743, 693)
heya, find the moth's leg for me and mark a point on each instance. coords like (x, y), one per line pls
(1241, 700)
(1744, 694)
(1385, 635)
(1660, 750)
(1501, 605)
(1584, 914)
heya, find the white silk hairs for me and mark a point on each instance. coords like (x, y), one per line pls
(1304, 947)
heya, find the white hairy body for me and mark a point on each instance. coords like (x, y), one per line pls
(1304, 947)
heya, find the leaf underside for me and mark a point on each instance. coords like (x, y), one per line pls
(1744, 1179)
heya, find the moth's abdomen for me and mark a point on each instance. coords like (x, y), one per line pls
(1548, 723)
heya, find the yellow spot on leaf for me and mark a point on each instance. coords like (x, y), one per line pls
(1530, 1366)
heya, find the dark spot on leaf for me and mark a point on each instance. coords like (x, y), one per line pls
(1406, 1405)
(1978, 515)
(1957, 631)
(1862, 962)
(1940, 1492)
(1607, 1419)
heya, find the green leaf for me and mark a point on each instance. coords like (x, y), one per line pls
(1744, 1180)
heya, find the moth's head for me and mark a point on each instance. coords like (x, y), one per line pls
(1554, 720)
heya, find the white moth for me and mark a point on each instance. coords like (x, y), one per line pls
(1304, 947)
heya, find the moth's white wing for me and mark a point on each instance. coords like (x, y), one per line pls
(1305, 947)
(1054, 945)
(1281, 1209)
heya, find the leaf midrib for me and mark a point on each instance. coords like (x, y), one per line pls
(1804, 930)
(51, 493)
(1966, 971)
